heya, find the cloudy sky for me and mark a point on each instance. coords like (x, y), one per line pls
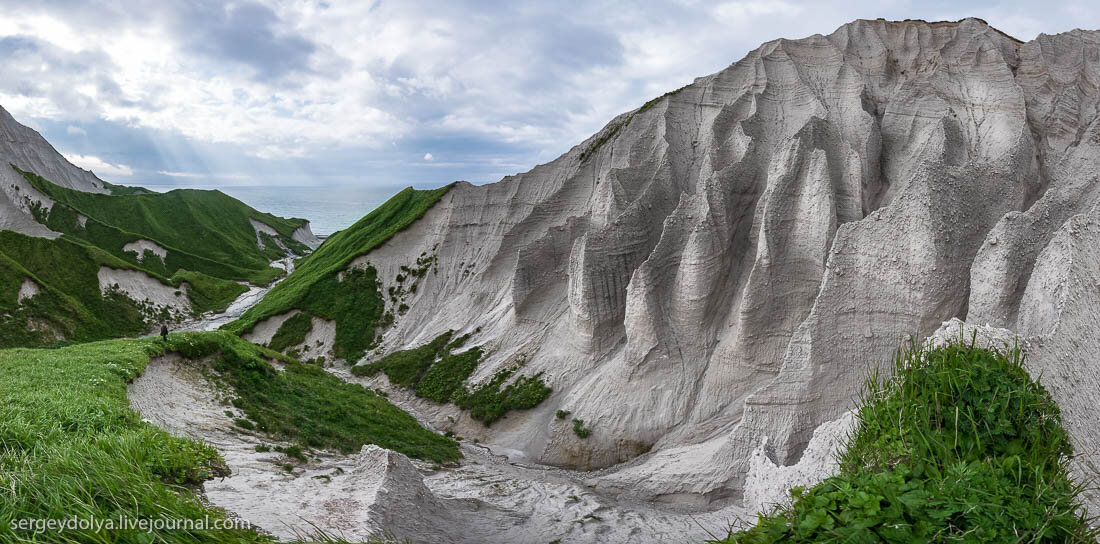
(385, 93)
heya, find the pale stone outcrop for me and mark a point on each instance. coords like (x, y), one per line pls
(304, 235)
(141, 246)
(148, 291)
(27, 289)
(26, 149)
(719, 269)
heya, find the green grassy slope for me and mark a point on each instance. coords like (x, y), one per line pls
(959, 445)
(435, 371)
(355, 303)
(210, 245)
(71, 446)
(204, 231)
(69, 305)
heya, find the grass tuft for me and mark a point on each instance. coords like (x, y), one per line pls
(958, 444)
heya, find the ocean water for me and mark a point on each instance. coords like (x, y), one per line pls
(328, 209)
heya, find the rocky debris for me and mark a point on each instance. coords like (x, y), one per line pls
(720, 267)
(141, 246)
(488, 498)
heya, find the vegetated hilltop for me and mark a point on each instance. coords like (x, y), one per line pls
(716, 267)
(352, 299)
(82, 259)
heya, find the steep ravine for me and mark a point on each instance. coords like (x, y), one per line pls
(707, 279)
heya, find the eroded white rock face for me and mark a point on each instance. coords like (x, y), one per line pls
(27, 289)
(304, 234)
(141, 246)
(725, 267)
(768, 484)
(146, 289)
(265, 330)
(26, 149)
(261, 227)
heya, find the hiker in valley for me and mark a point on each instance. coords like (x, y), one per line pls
(164, 332)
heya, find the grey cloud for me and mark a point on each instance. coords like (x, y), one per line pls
(245, 33)
(38, 69)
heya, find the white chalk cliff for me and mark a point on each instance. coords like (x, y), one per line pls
(28, 150)
(717, 270)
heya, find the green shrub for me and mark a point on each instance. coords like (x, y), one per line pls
(406, 367)
(489, 402)
(446, 376)
(562, 414)
(292, 451)
(959, 444)
(292, 332)
(579, 429)
(435, 373)
(305, 404)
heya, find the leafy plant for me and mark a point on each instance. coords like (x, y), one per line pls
(579, 429)
(959, 444)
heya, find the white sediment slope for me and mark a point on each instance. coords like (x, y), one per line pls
(146, 289)
(721, 268)
(304, 234)
(27, 289)
(23, 147)
(141, 246)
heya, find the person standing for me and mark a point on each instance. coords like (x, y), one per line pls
(164, 332)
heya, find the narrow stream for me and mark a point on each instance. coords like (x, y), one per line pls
(212, 321)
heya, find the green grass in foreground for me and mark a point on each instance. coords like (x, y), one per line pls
(308, 405)
(355, 303)
(71, 446)
(958, 445)
(435, 372)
